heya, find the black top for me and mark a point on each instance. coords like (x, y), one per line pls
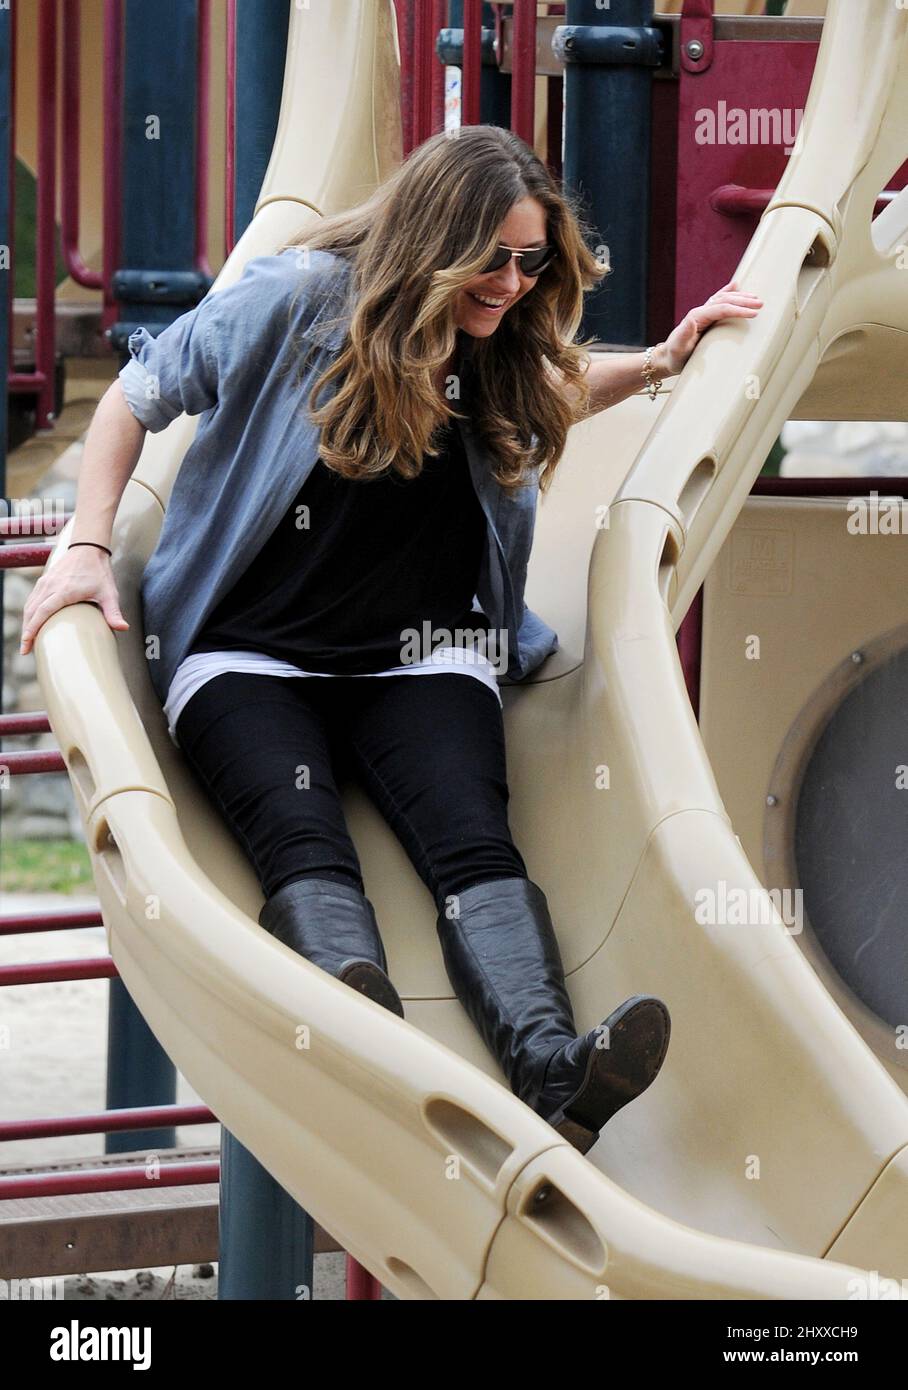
(378, 556)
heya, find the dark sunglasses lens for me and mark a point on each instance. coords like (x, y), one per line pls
(499, 259)
(532, 263)
(536, 261)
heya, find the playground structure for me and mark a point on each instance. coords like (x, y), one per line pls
(770, 1159)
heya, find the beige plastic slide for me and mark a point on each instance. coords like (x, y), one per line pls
(770, 1158)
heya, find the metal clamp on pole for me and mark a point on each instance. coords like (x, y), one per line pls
(622, 46)
(449, 47)
(180, 288)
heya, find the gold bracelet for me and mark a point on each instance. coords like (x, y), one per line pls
(653, 382)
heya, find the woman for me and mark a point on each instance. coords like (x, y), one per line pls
(347, 539)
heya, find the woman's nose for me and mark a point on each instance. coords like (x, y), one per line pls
(508, 279)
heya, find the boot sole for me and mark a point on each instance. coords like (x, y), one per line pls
(639, 1033)
(371, 980)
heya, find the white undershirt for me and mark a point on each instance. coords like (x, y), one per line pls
(194, 670)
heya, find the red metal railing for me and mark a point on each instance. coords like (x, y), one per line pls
(422, 74)
(173, 1171)
(124, 1179)
(422, 105)
(41, 380)
(108, 1121)
(65, 95)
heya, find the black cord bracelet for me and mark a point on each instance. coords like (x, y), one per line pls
(97, 543)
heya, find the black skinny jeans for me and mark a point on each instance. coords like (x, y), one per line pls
(428, 750)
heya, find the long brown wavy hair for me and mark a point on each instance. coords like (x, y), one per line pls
(423, 234)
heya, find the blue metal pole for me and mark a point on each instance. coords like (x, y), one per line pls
(609, 54)
(261, 45)
(159, 281)
(267, 1240)
(139, 1072)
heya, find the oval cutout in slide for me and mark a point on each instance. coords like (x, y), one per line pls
(464, 1134)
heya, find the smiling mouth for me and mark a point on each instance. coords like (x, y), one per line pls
(494, 308)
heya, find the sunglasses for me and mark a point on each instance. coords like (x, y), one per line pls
(531, 262)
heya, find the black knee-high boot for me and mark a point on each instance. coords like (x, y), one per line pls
(502, 958)
(333, 925)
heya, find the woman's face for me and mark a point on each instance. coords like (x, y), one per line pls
(523, 229)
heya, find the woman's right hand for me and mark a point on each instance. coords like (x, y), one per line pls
(83, 575)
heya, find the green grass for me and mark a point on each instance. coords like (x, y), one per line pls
(774, 459)
(24, 236)
(45, 866)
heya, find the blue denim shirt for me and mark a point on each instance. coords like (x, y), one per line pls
(230, 359)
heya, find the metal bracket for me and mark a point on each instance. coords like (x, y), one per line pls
(182, 288)
(449, 47)
(697, 36)
(160, 286)
(609, 46)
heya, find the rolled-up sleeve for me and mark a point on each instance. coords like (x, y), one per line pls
(202, 357)
(175, 373)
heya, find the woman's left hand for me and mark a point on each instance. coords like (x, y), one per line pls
(727, 303)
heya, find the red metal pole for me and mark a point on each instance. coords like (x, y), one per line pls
(523, 71)
(113, 153)
(554, 135)
(439, 19)
(15, 557)
(202, 136)
(25, 923)
(11, 178)
(35, 723)
(46, 213)
(45, 972)
(361, 1285)
(734, 200)
(125, 1179)
(70, 138)
(230, 123)
(472, 62)
(106, 1121)
(404, 13)
(422, 79)
(33, 760)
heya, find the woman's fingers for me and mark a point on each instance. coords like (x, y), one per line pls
(734, 297)
(35, 618)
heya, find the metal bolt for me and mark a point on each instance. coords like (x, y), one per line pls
(570, 41)
(857, 658)
(542, 1195)
(694, 49)
(772, 800)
